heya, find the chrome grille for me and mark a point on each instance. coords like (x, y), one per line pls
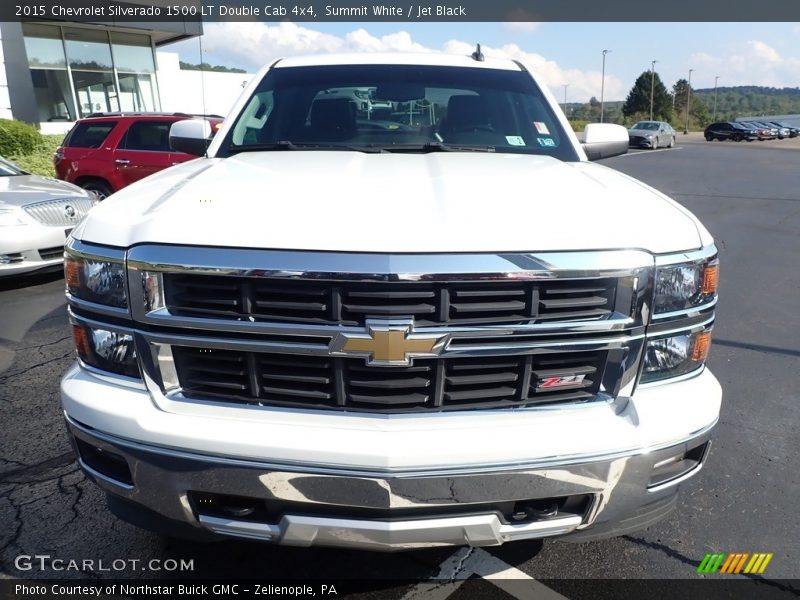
(10, 259)
(352, 302)
(269, 379)
(284, 328)
(54, 212)
(51, 253)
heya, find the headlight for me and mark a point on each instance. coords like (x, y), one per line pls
(98, 280)
(10, 218)
(684, 286)
(649, 136)
(106, 350)
(675, 355)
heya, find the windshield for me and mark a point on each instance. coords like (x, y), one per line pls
(649, 125)
(398, 108)
(8, 169)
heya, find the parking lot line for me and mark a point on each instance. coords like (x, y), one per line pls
(466, 562)
(640, 152)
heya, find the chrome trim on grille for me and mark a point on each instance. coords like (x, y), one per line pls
(62, 212)
(388, 267)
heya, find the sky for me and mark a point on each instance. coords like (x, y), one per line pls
(765, 54)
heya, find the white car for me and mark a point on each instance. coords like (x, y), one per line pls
(36, 216)
(459, 331)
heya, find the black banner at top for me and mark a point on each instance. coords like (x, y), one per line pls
(417, 11)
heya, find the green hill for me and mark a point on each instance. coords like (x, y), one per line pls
(747, 100)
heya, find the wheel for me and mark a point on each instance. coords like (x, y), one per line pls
(671, 142)
(100, 188)
(736, 137)
(655, 144)
(709, 137)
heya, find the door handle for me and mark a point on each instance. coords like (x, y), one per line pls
(122, 161)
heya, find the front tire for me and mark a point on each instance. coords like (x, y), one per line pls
(709, 137)
(101, 189)
(655, 144)
(671, 142)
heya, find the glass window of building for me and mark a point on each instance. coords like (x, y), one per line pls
(133, 58)
(79, 71)
(48, 67)
(89, 54)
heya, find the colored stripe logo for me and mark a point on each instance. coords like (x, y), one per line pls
(736, 562)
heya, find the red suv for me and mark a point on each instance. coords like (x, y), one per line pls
(105, 152)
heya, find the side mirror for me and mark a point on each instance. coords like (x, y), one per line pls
(191, 136)
(604, 140)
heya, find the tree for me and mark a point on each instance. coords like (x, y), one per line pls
(638, 100)
(679, 91)
(699, 116)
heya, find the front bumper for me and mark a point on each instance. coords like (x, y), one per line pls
(392, 483)
(21, 248)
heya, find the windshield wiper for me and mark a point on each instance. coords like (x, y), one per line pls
(436, 147)
(289, 145)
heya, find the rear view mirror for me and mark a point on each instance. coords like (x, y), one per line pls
(191, 136)
(399, 92)
(604, 140)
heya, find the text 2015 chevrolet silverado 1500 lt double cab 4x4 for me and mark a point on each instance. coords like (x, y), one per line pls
(430, 323)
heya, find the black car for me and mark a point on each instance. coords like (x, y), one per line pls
(730, 131)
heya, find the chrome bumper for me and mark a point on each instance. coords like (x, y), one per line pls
(409, 510)
(472, 530)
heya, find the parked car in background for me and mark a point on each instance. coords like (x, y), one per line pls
(769, 131)
(651, 134)
(791, 130)
(105, 152)
(731, 131)
(36, 215)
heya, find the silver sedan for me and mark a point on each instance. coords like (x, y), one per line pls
(36, 215)
(651, 134)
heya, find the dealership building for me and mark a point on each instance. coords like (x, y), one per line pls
(52, 73)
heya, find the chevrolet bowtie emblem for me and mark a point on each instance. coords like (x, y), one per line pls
(388, 344)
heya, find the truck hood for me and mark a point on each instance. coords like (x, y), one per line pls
(352, 201)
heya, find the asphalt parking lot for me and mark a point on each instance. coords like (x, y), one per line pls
(745, 500)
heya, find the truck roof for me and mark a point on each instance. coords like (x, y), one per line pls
(399, 58)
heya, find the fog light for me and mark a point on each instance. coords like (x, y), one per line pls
(106, 350)
(675, 355)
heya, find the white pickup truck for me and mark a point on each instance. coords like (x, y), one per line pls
(435, 325)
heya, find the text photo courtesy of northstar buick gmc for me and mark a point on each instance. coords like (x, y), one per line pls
(383, 347)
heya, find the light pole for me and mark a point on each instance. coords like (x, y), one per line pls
(566, 85)
(688, 100)
(652, 85)
(716, 79)
(603, 84)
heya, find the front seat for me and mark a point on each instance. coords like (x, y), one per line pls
(466, 114)
(332, 119)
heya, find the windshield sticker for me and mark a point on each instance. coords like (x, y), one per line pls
(515, 140)
(541, 128)
(547, 142)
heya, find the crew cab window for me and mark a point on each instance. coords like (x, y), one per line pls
(150, 136)
(89, 134)
(394, 107)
